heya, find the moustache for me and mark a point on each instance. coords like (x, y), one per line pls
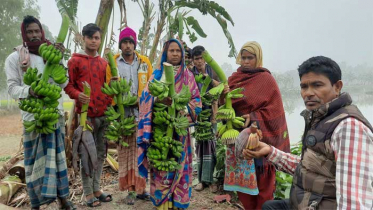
(35, 40)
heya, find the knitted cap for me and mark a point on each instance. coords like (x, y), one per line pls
(128, 33)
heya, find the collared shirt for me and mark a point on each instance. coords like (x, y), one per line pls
(129, 71)
(17, 89)
(352, 143)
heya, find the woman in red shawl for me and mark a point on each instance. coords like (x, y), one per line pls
(261, 103)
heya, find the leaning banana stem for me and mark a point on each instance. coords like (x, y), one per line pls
(169, 72)
(83, 116)
(228, 104)
(113, 67)
(215, 66)
(121, 107)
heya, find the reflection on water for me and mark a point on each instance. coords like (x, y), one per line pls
(293, 106)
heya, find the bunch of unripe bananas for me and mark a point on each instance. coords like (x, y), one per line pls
(44, 122)
(164, 150)
(50, 53)
(120, 126)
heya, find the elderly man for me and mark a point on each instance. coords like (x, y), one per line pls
(333, 171)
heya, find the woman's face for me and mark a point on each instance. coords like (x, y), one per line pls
(248, 60)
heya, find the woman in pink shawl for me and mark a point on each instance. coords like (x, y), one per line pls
(168, 189)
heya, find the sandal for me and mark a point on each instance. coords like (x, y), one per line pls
(69, 205)
(90, 202)
(199, 187)
(145, 196)
(103, 197)
(130, 199)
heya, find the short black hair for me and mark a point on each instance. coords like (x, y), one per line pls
(27, 20)
(197, 51)
(321, 65)
(90, 29)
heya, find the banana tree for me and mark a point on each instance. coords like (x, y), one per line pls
(177, 21)
(103, 18)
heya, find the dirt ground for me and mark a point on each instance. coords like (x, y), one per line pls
(10, 138)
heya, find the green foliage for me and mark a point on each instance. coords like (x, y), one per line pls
(283, 180)
(11, 16)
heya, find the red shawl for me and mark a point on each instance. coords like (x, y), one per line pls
(262, 100)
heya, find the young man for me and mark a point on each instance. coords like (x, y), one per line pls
(88, 66)
(206, 150)
(131, 66)
(42, 187)
(334, 170)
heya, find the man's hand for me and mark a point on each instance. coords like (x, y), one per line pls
(83, 98)
(247, 122)
(32, 93)
(60, 47)
(262, 150)
(113, 79)
(166, 101)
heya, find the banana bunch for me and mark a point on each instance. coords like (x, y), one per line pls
(162, 117)
(42, 88)
(31, 105)
(163, 152)
(158, 89)
(44, 122)
(181, 125)
(116, 130)
(31, 76)
(155, 155)
(182, 98)
(50, 53)
(236, 93)
(225, 113)
(159, 107)
(119, 125)
(129, 99)
(58, 73)
(216, 91)
(117, 87)
(111, 114)
(204, 115)
(203, 131)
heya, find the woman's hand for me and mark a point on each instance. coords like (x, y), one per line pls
(247, 121)
(166, 101)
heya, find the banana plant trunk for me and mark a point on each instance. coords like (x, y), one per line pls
(103, 19)
(220, 73)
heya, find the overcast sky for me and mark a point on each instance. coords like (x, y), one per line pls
(289, 31)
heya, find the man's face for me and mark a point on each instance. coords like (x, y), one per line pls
(316, 90)
(199, 62)
(93, 43)
(174, 54)
(127, 47)
(33, 32)
(248, 60)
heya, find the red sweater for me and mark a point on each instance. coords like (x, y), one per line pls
(82, 68)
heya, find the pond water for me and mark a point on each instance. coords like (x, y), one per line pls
(296, 122)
